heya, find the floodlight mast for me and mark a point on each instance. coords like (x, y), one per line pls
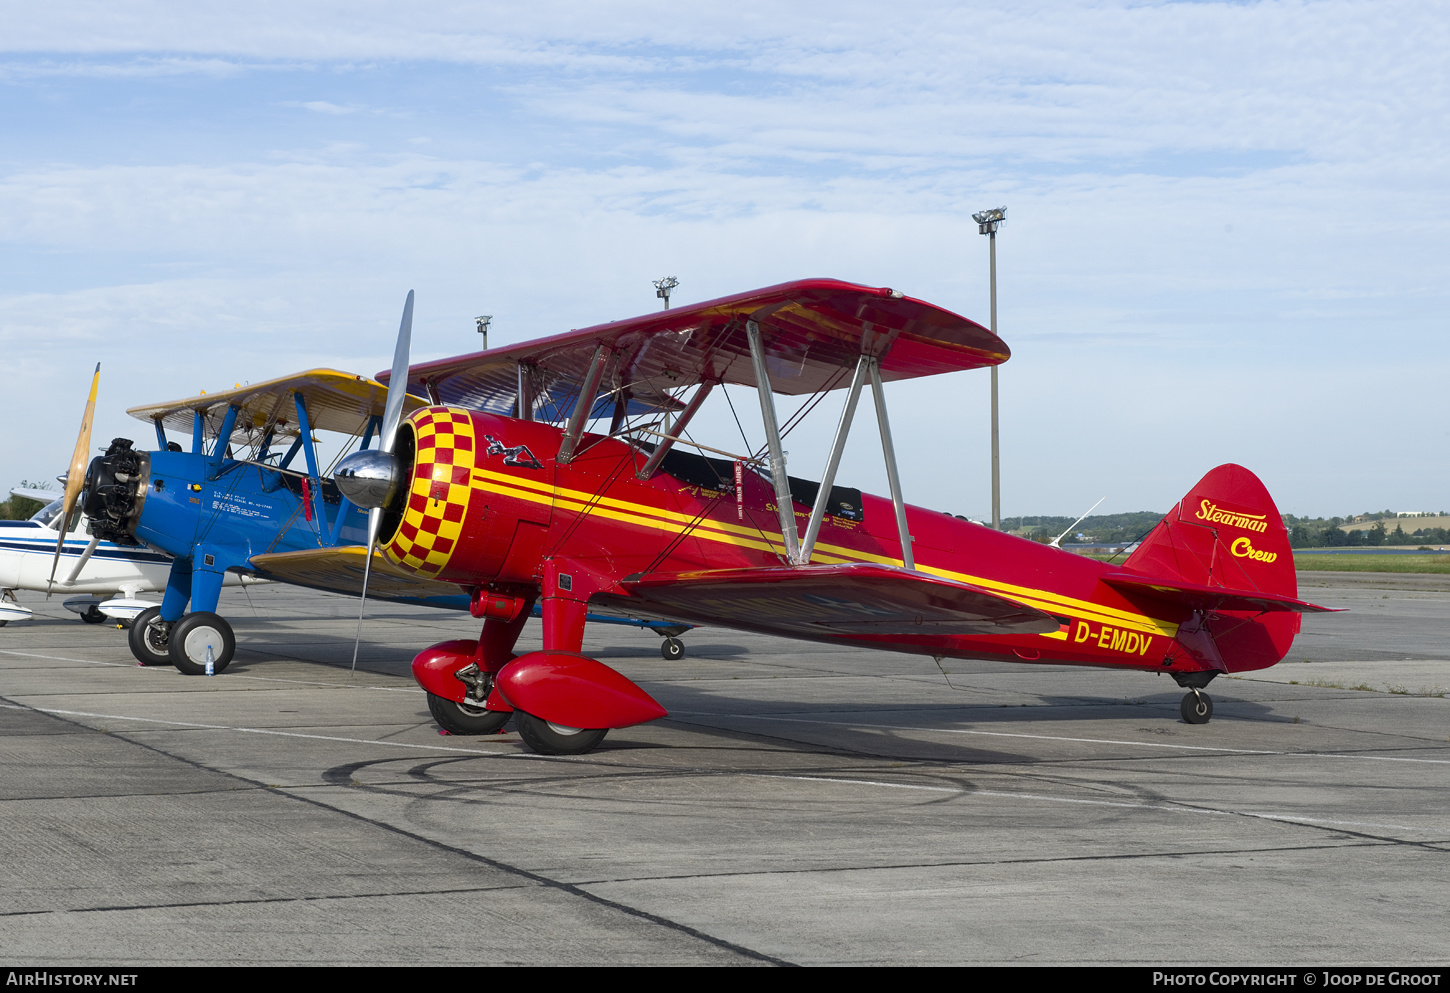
(483, 321)
(987, 222)
(663, 288)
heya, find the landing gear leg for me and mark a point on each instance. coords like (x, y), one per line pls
(1197, 707)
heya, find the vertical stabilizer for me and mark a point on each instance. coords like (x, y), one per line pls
(1227, 533)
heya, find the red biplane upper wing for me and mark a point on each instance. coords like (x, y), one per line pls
(820, 601)
(812, 332)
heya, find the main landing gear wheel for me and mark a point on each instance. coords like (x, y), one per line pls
(94, 616)
(1196, 708)
(556, 739)
(193, 635)
(149, 638)
(672, 649)
(463, 718)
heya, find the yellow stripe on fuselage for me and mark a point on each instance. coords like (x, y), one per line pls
(659, 519)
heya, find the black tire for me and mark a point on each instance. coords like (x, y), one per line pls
(94, 616)
(1196, 708)
(149, 638)
(554, 739)
(3, 623)
(193, 635)
(672, 649)
(461, 718)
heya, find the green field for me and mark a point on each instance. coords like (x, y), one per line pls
(1373, 563)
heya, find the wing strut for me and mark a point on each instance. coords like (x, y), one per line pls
(828, 478)
(783, 504)
(673, 431)
(888, 450)
(583, 404)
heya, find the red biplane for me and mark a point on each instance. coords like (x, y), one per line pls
(499, 488)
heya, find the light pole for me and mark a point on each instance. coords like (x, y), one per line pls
(663, 287)
(987, 221)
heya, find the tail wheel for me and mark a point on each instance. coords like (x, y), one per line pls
(1196, 708)
(556, 739)
(149, 638)
(461, 718)
(672, 649)
(195, 634)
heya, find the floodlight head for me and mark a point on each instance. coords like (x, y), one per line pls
(987, 220)
(483, 321)
(663, 287)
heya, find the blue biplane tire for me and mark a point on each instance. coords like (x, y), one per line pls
(1196, 708)
(555, 739)
(672, 649)
(460, 718)
(193, 635)
(149, 638)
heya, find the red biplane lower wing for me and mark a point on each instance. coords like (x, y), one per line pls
(820, 601)
(1198, 597)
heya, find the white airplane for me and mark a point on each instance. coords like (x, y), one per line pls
(109, 576)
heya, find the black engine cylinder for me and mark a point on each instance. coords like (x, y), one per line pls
(114, 491)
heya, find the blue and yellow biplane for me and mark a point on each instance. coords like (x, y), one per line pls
(239, 500)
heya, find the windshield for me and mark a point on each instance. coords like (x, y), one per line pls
(49, 516)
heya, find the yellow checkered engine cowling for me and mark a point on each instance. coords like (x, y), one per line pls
(437, 508)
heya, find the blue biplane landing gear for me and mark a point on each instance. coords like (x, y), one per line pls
(149, 638)
(200, 637)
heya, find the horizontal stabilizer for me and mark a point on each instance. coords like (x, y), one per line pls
(852, 599)
(340, 570)
(1198, 597)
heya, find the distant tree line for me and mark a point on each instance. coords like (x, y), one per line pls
(1101, 529)
(1328, 534)
(1115, 529)
(19, 508)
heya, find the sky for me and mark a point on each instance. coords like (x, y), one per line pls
(1226, 238)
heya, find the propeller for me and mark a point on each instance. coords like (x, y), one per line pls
(369, 479)
(75, 477)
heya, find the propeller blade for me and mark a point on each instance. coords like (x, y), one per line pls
(367, 573)
(398, 382)
(75, 476)
(392, 417)
(85, 557)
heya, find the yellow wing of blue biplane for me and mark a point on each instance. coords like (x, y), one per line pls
(336, 401)
(340, 570)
